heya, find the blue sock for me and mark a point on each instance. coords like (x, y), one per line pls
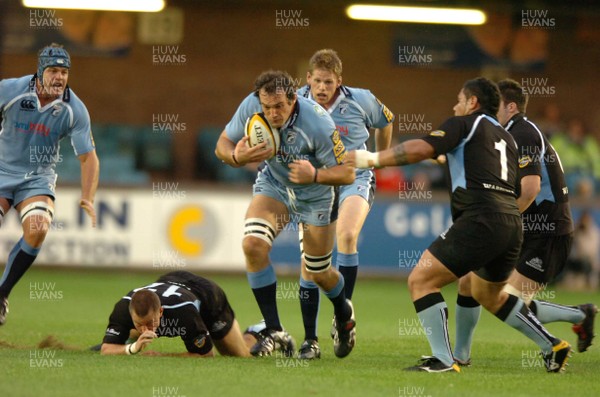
(309, 306)
(347, 264)
(19, 261)
(515, 313)
(548, 312)
(433, 315)
(264, 287)
(468, 311)
(337, 296)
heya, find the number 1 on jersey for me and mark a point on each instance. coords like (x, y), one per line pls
(501, 147)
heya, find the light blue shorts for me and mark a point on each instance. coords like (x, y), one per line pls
(363, 186)
(310, 204)
(18, 187)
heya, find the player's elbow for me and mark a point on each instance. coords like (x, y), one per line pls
(105, 350)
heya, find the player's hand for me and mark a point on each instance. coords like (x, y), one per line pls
(245, 154)
(143, 341)
(441, 159)
(88, 207)
(302, 172)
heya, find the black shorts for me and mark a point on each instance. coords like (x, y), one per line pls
(215, 310)
(487, 244)
(543, 257)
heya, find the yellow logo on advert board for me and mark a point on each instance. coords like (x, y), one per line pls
(192, 230)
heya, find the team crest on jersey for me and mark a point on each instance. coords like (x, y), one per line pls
(339, 151)
(319, 110)
(524, 161)
(290, 139)
(343, 108)
(438, 133)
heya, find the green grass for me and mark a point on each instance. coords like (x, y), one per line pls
(504, 361)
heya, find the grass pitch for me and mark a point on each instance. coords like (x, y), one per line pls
(68, 310)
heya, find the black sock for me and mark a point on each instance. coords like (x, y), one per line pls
(19, 261)
(309, 306)
(266, 297)
(349, 273)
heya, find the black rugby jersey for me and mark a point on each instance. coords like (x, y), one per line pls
(550, 212)
(181, 315)
(482, 160)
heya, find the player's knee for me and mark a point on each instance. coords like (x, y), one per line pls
(347, 237)
(37, 217)
(258, 238)
(317, 265)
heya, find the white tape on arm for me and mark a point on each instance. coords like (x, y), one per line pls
(366, 159)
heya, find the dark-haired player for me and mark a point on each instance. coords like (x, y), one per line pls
(178, 304)
(296, 184)
(543, 201)
(37, 111)
(486, 234)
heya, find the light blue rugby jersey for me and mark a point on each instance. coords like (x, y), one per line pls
(30, 135)
(309, 134)
(354, 111)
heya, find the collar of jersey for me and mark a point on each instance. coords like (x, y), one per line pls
(293, 117)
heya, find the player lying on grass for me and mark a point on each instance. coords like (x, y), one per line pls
(178, 304)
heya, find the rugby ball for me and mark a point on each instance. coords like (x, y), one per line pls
(258, 131)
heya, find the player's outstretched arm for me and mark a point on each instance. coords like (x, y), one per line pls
(237, 155)
(409, 152)
(90, 170)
